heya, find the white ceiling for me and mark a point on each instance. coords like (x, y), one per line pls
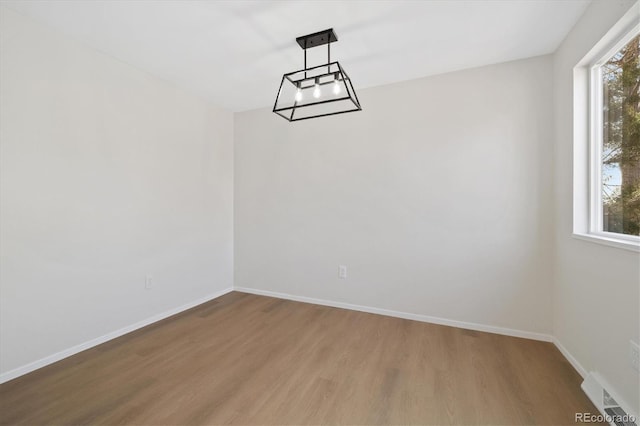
(235, 52)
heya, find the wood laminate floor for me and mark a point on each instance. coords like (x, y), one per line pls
(246, 359)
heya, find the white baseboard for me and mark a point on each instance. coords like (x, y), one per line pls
(416, 317)
(17, 372)
(574, 362)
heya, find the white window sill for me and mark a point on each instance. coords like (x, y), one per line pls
(611, 241)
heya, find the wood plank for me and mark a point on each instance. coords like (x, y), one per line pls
(247, 359)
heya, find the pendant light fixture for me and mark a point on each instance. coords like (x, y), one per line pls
(316, 91)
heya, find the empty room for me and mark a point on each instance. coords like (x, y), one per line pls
(356, 212)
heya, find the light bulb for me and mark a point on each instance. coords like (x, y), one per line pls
(316, 91)
(336, 88)
(299, 95)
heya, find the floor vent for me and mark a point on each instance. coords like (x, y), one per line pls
(614, 412)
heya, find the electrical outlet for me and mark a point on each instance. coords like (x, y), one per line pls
(634, 355)
(342, 272)
(148, 282)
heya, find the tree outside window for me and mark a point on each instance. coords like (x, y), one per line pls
(621, 141)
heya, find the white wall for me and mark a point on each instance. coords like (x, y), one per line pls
(107, 174)
(437, 197)
(596, 291)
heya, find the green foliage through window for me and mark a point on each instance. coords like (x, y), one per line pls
(621, 141)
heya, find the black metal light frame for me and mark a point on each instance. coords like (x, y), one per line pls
(334, 74)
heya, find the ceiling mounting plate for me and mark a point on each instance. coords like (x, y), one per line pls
(317, 39)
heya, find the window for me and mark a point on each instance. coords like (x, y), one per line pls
(613, 120)
(617, 147)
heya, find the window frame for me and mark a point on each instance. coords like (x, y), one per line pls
(588, 219)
